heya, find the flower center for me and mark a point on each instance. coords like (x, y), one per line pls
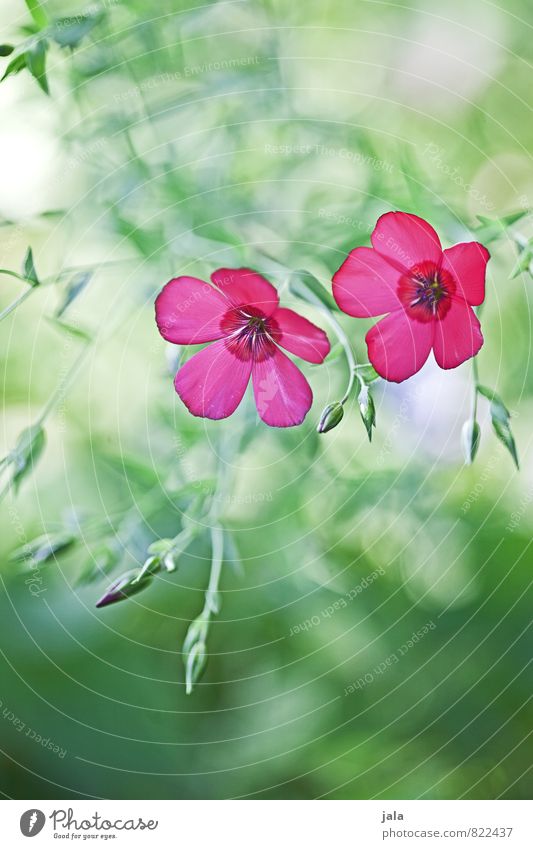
(249, 335)
(426, 291)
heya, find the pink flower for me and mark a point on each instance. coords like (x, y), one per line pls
(243, 319)
(428, 292)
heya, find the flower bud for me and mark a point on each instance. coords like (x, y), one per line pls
(331, 417)
(470, 439)
(127, 585)
(196, 633)
(367, 409)
(195, 666)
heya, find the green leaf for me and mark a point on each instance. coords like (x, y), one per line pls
(16, 65)
(36, 61)
(75, 287)
(470, 436)
(367, 373)
(72, 329)
(28, 268)
(105, 557)
(304, 285)
(367, 409)
(70, 31)
(37, 12)
(495, 228)
(505, 435)
(498, 409)
(27, 451)
(524, 260)
(43, 548)
(6, 49)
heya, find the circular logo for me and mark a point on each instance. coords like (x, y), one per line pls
(32, 822)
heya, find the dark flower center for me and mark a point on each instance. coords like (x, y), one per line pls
(249, 335)
(426, 291)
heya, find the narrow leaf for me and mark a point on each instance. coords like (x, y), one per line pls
(75, 287)
(72, 329)
(16, 65)
(6, 49)
(36, 61)
(37, 12)
(43, 548)
(27, 451)
(303, 284)
(28, 268)
(505, 435)
(367, 373)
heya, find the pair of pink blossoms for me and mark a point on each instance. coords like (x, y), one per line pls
(427, 292)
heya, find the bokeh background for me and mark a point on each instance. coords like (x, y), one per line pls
(176, 139)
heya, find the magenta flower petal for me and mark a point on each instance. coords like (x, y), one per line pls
(213, 382)
(467, 262)
(282, 394)
(398, 346)
(299, 336)
(406, 240)
(246, 288)
(366, 284)
(189, 311)
(458, 336)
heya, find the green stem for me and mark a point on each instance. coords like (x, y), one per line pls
(217, 551)
(61, 390)
(475, 381)
(341, 338)
(13, 306)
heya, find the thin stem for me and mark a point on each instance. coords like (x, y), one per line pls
(475, 381)
(16, 303)
(61, 390)
(217, 551)
(341, 337)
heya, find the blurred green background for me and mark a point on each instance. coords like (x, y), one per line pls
(177, 139)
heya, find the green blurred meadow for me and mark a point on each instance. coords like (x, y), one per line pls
(373, 639)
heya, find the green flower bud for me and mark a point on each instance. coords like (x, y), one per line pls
(127, 585)
(470, 437)
(195, 666)
(331, 417)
